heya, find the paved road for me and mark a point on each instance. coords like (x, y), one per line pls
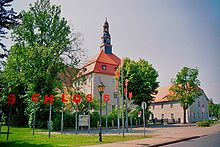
(212, 140)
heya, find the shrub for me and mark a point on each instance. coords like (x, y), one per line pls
(203, 124)
(94, 118)
(211, 121)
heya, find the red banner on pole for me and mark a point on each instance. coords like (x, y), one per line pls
(125, 91)
(130, 95)
(116, 86)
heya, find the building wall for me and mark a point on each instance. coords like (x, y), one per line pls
(167, 110)
(198, 111)
(109, 82)
(87, 87)
(93, 80)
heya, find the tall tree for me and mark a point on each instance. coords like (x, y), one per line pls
(185, 88)
(142, 79)
(44, 48)
(8, 18)
(214, 109)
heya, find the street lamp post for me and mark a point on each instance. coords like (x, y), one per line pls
(101, 88)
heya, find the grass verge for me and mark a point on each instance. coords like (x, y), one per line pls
(23, 137)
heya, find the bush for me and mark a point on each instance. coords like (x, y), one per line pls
(94, 118)
(211, 122)
(203, 124)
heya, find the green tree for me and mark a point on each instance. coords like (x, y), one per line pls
(214, 109)
(142, 79)
(8, 18)
(44, 48)
(211, 107)
(185, 88)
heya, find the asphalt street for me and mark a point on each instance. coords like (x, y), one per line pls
(212, 140)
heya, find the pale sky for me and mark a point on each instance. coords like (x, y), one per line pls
(169, 34)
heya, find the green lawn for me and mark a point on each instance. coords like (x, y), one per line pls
(23, 137)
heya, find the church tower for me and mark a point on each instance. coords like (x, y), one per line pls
(101, 68)
(106, 39)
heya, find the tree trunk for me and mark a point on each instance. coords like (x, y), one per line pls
(184, 115)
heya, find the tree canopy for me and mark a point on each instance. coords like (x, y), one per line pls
(44, 47)
(214, 109)
(142, 80)
(8, 18)
(185, 87)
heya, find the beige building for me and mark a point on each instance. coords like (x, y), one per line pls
(162, 108)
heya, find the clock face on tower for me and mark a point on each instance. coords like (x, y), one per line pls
(108, 40)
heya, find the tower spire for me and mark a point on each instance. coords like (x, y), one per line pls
(106, 39)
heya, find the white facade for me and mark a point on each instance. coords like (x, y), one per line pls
(94, 79)
(198, 111)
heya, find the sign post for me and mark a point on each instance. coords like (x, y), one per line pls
(50, 121)
(144, 106)
(83, 120)
(130, 96)
(116, 95)
(9, 120)
(122, 95)
(139, 116)
(126, 104)
(117, 103)
(11, 101)
(77, 100)
(106, 99)
(0, 122)
(34, 117)
(89, 118)
(62, 120)
(89, 99)
(106, 117)
(34, 100)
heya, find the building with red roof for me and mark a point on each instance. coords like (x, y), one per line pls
(101, 68)
(164, 108)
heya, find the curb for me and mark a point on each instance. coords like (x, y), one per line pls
(171, 142)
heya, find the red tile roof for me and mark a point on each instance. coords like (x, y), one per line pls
(95, 64)
(162, 94)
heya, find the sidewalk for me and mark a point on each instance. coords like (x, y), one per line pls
(163, 135)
